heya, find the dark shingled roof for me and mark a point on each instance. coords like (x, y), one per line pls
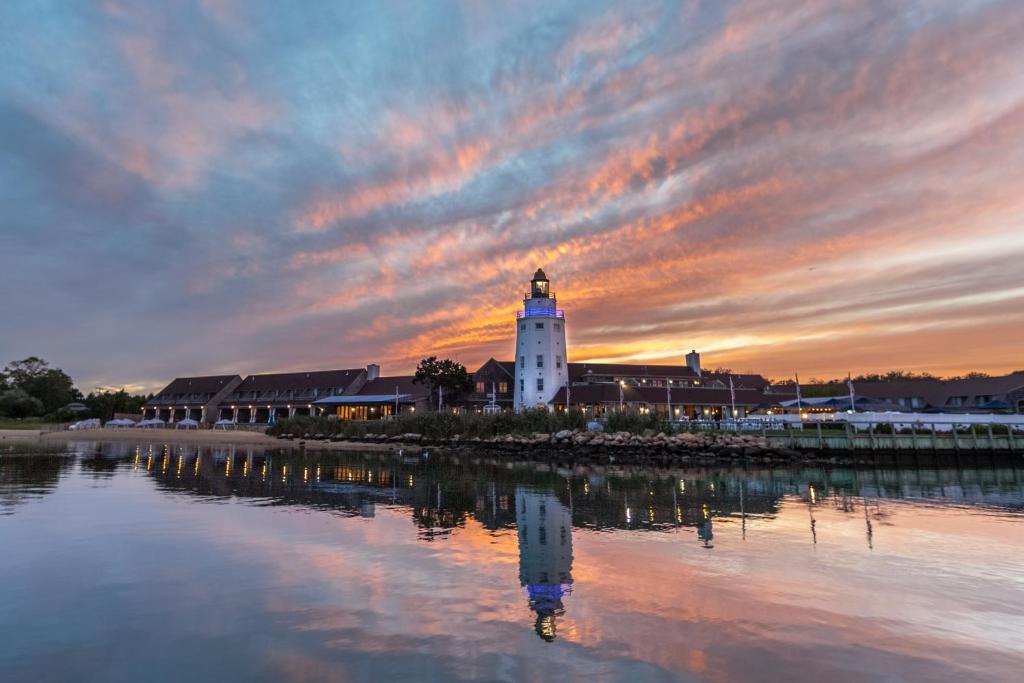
(937, 392)
(580, 371)
(738, 380)
(300, 381)
(539, 275)
(506, 366)
(210, 384)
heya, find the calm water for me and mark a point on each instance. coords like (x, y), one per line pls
(212, 564)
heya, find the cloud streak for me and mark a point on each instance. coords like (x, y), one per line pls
(220, 186)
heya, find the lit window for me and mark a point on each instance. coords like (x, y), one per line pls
(540, 360)
(540, 384)
(480, 388)
(503, 387)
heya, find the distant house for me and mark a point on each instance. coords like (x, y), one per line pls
(977, 394)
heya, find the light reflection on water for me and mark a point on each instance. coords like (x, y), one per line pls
(164, 562)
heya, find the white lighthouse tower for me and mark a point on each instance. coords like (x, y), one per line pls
(541, 365)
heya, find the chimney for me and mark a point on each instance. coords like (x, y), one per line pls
(693, 361)
(372, 372)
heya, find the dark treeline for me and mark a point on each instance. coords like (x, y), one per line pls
(31, 388)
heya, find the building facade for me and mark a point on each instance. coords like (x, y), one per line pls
(194, 398)
(259, 399)
(541, 361)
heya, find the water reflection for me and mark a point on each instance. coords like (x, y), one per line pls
(544, 529)
(713, 520)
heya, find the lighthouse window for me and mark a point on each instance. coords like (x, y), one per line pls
(540, 360)
(522, 386)
(522, 361)
(522, 326)
(539, 326)
(558, 328)
(558, 361)
(540, 384)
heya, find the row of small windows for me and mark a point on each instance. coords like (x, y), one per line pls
(540, 361)
(482, 387)
(540, 326)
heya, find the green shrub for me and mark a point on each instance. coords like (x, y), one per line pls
(436, 425)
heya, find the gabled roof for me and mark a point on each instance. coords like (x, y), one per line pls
(506, 366)
(300, 381)
(210, 384)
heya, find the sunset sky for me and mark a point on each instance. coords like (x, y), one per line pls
(244, 186)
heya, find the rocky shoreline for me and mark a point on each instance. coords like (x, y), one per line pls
(649, 447)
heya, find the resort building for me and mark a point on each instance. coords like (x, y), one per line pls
(195, 398)
(351, 394)
(259, 397)
(1004, 393)
(677, 403)
(379, 398)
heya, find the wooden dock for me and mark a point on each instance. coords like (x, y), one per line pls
(924, 437)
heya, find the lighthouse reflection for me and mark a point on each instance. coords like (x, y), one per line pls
(544, 525)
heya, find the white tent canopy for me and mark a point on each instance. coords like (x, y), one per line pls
(225, 424)
(121, 422)
(187, 423)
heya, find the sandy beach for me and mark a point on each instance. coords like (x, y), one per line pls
(146, 436)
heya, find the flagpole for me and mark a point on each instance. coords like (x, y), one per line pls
(799, 398)
(732, 396)
(849, 383)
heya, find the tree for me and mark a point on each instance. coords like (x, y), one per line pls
(103, 404)
(449, 376)
(17, 403)
(33, 375)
